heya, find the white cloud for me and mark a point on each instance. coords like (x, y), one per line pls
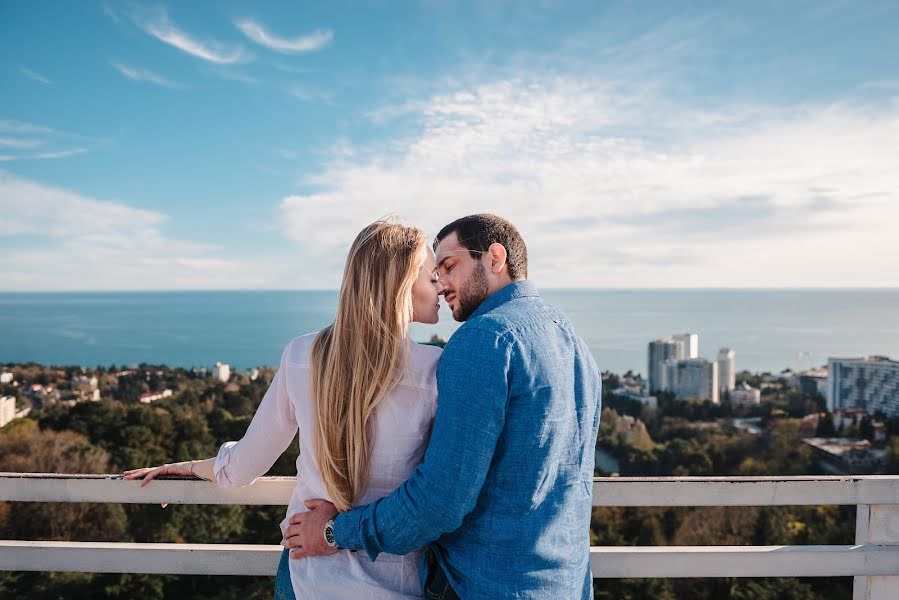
(20, 143)
(43, 155)
(12, 126)
(157, 24)
(146, 75)
(38, 135)
(35, 76)
(310, 94)
(53, 239)
(306, 43)
(614, 187)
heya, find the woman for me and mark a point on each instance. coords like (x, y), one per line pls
(363, 397)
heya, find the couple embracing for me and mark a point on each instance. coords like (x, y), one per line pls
(461, 473)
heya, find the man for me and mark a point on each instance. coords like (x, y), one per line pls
(504, 494)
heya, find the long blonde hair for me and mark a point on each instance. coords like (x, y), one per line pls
(358, 359)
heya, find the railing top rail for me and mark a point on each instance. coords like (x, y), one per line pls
(607, 491)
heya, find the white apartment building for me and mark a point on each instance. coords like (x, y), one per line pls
(668, 375)
(871, 383)
(727, 369)
(744, 395)
(6, 377)
(7, 409)
(697, 378)
(690, 343)
(661, 350)
(221, 372)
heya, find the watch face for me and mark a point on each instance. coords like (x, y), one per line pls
(329, 535)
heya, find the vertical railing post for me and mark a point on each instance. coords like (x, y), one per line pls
(876, 524)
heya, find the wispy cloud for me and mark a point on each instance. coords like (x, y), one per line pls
(643, 178)
(306, 43)
(12, 126)
(158, 24)
(20, 143)
(144, 75)
(90, 244)
(35, 76)
(43, 155)
(36, 136)
(310, 94)
(234, 75)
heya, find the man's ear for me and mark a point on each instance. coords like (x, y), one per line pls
(498, 256)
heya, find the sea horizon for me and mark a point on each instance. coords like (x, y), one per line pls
(769, 329)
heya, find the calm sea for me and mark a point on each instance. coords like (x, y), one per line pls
(769, 330)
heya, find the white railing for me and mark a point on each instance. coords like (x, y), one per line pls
(873, 560)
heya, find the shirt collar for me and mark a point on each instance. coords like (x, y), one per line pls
(517, 289)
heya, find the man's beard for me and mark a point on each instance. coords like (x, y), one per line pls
(472, 293)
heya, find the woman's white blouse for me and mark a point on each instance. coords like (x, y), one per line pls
(402, 429)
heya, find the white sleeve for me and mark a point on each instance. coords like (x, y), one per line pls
(270, 432)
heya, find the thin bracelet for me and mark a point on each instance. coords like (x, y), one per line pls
(192, 469)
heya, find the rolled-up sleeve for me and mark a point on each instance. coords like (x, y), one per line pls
(270, 432)
(473, 391)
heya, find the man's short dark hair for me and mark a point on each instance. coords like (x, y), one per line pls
(477, 232)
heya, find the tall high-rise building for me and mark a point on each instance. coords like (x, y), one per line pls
(690, 342)
(222, 372)
(659, 351)
(871, 383)
(727, 370)
(697, 378)
(668, 375)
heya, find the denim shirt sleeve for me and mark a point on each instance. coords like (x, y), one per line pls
(473, 391)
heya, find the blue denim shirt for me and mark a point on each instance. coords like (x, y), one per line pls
(505, 489)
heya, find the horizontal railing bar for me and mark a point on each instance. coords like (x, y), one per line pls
(746, 491)
(606, 561)
(607, 491)
(744, 561)
(39, 487)
(111, 557)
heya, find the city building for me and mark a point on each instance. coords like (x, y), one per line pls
(690, 342)
(848, 417)
(6, 377)
(871, 383)
(814, 381)
(221, 372)
(85, 388)
(154, 396)
(668, 375)
(697, 378)
(727, 370)
(846, 456)
(745, 395)
(635, 393)
(811, 381)
(7, 409)
(661, 350)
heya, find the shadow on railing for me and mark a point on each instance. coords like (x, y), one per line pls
(873, 560)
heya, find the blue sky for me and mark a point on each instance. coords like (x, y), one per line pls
(242, 145)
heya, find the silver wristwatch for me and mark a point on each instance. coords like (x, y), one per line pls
(329, 534)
